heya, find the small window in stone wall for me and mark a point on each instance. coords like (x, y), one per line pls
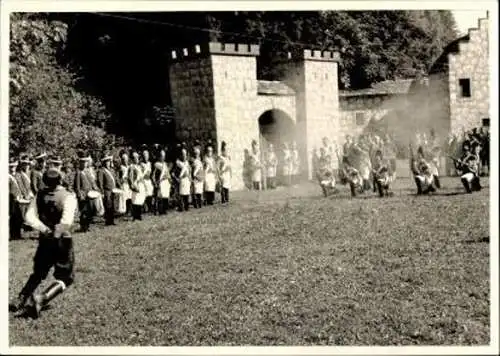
(465, 87)
(486, 122)
(360, 118)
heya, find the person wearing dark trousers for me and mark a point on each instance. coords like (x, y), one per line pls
(210, 175)
(162, 183)
(184, 178)
(147, 168)
(81, 188)
(198, 178)
(225, 173)
(106, 181)
(56, 209)
(136, 182)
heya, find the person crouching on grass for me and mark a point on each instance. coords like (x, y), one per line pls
(324, 173)
(56, 209)
(381, 174)
(352, 177)
(468, 169)
(424, 178)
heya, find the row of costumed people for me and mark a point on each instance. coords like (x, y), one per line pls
(130, 186)
(270, 169)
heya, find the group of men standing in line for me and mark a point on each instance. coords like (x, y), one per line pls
(130, 184)
(270, 169)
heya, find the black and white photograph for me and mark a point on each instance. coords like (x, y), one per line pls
(249, 174)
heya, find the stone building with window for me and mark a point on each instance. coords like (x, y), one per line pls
(358, 108)
(459, 81)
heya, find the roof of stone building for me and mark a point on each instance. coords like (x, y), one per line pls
(273, 88)
(441, 64)
(387, 87)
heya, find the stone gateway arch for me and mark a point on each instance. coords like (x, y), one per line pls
(216, 95)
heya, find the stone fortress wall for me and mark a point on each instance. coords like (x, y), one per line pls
(471, 62)
(215, 94)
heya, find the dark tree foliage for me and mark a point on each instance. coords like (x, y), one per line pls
(124, 57)
(46, 112)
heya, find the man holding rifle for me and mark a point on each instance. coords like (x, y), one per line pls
(468, 168)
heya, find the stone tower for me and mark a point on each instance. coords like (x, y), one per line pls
(314, 77)
(216, 95)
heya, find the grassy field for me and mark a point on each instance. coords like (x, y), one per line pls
(284, 267)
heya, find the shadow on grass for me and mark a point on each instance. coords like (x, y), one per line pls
(485, 239)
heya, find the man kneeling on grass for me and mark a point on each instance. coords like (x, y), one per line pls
(381, 174)
(56, 212)
(468, 169)
(424, 177)
(352, 177)
(325, 174)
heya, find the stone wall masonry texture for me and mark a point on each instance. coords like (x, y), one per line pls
(235, 95)
(472, 62)
(192, 97)
(321, 102)
(370, 106)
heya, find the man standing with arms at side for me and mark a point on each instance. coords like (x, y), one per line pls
(82, 186)
(106, 181)
(56, 211)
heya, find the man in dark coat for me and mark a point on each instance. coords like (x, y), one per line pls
(81, 187)
(106, 181)
(56, 211)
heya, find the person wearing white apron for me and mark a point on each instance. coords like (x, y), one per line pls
(210, 176)
(184, 178)
(256, 167)
(295, 163)
(124, 181)
(271, 165)
(136, 182)
(148, 184)
(162, 182)
(225, 173)
(287, 165)
(198, 178)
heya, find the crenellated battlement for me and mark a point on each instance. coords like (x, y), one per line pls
(210, 48)
(315, 55)
(238, 49)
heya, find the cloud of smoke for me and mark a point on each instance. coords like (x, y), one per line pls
(409, 116)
